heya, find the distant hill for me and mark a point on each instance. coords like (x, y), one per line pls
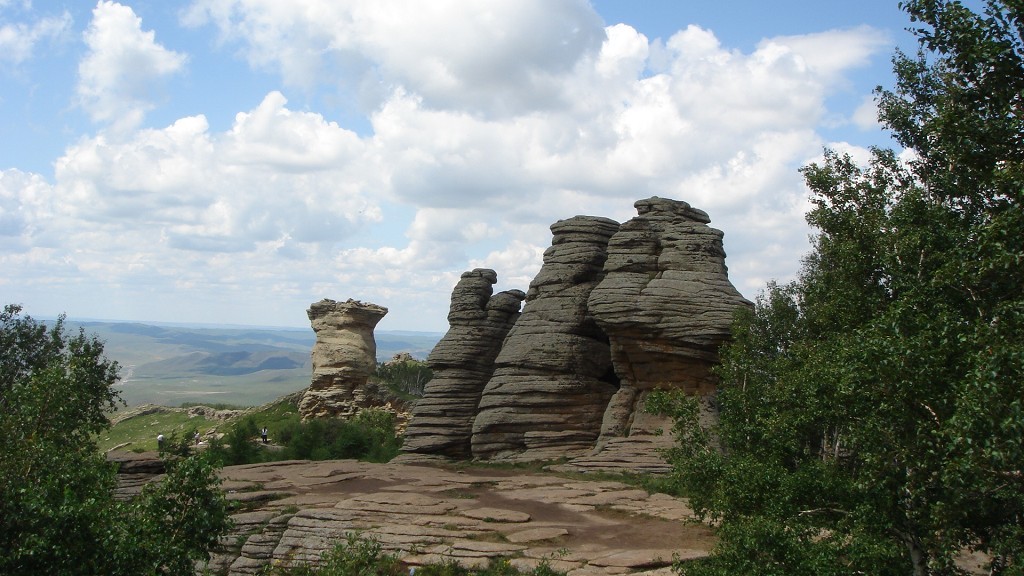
(235, 363)
(172, 364)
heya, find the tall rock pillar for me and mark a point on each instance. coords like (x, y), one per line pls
(344, 357)
(462, 363)
(666, 303)
(553, 376)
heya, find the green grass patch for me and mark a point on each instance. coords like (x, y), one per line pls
(140, 432)
(215, 406)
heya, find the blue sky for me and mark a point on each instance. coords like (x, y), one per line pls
(233, 161)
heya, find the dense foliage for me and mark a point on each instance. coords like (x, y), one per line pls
(57, 507)
(407, 379)
(872, 411)
(369, 436)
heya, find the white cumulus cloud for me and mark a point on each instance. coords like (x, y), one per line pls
(486, 123)
(116, 77)
(495, 57)
(275, 174)
(18, 40)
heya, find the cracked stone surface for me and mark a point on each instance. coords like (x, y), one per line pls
(428, 514)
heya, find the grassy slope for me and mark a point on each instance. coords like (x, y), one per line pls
(138, 432)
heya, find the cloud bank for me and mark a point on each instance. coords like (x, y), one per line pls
(487, 122)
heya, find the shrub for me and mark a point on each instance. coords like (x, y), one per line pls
(369, 436)
(356, 556)
(405, 379)
(178, 444)
(238, 446)
(58, 514)
(361, 556)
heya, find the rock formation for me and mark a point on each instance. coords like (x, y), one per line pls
(553, 376)
(344, 356)
(462, 363)
(615, 312)
(666, 304)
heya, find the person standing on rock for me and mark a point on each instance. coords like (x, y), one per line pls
(263, 434)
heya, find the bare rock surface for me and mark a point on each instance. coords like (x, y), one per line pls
(428, 514)
(553, 376)
(134, 471)
(462, 362)
(666, 302)
(344, 356)
(615, 313)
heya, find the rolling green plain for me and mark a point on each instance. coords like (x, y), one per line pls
(171, 365)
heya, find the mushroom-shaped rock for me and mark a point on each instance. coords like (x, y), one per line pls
(666, 304)
(344, 356)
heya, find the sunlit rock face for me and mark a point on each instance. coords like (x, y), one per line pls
(462, 363)
(344, 357)
(553, 376)
(666, 304)
(615, 312)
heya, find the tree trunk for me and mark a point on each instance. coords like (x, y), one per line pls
(918, 557)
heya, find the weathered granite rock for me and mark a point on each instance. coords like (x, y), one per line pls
(666, 304)
(134, 471)
(426, 514)
(344, 356)
(462, 363)
(553, 376)
(400, 358)
(614, 313)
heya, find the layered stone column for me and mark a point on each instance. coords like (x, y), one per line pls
(344, 357)
(462, 363)
(553, 376)
(666, 304)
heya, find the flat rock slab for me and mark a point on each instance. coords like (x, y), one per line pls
(536, 534)
(428, 514)
(642, 558)
(497, 515)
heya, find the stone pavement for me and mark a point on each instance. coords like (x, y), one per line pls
(293, 511)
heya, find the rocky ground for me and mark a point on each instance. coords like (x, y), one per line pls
(295, 510)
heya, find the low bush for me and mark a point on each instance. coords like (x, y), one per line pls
(356, 556)
(369, 436)
(178, 444)
(239, 446)
(407, 379)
